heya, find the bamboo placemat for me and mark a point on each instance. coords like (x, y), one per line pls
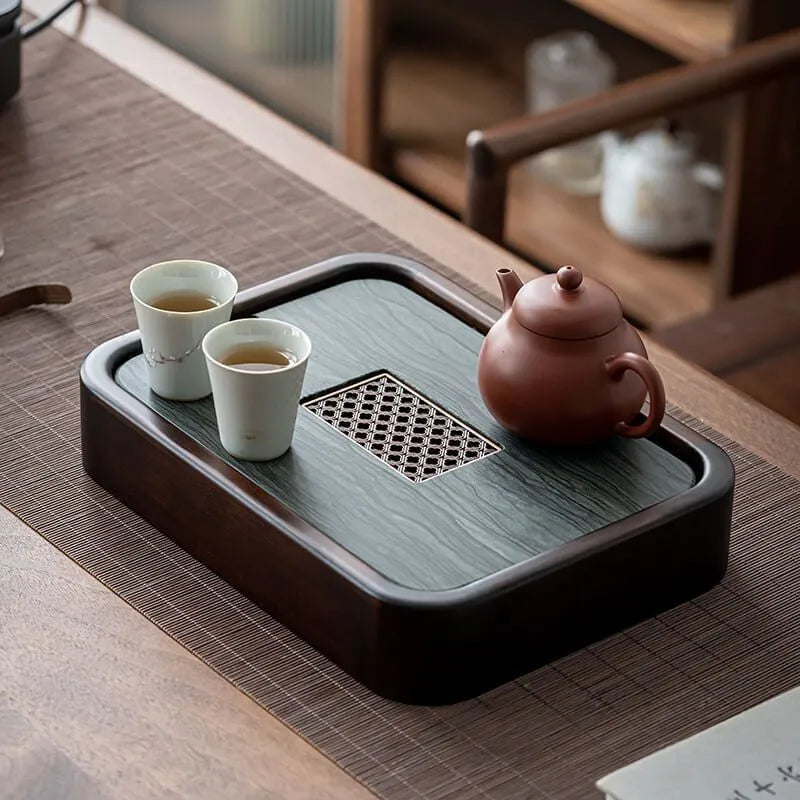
(100, 176)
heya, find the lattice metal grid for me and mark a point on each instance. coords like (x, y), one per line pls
(401, 427)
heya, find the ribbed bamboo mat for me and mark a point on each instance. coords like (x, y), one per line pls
(100, 176)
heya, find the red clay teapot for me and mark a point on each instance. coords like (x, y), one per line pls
(562, 366)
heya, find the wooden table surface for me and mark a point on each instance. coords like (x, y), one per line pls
(95, 701)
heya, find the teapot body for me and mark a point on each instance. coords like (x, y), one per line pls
(558, 391)
(657, 201)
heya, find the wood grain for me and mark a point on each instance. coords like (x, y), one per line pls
(557, 228)
(513, 505)
(757, 240)
(752, 342)
(692, 30)
(491, 152)
(751, 64)
(362, 31)
(369, 194)
(590, 690)
(408, 643)
(741, 330)
(440, 86)
(31, 766)
(774, 380)
(98, 703)
(716, 403)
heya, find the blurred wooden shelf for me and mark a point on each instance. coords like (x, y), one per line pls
(752, 342)
(692, 30)
(433, 100)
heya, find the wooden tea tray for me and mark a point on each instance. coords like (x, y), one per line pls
(405, 534)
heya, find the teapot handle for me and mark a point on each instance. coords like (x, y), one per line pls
(616, 366)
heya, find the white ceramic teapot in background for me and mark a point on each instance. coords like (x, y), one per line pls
(655, 194)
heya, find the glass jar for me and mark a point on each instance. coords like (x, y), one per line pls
(559, 69)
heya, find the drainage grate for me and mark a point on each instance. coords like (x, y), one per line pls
(401, 427)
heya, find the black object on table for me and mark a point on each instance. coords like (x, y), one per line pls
(10, 48)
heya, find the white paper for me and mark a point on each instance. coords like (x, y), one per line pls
(752, 756)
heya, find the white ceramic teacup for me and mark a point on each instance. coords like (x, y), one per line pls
(256, 411)
(171, 340)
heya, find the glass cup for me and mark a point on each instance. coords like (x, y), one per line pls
(559, 69)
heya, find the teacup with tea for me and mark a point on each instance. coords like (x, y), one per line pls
(257, 368)
(177, 303)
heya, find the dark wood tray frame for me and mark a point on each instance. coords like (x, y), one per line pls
(405, 644)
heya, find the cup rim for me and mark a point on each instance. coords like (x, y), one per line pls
(162, 264)
(257, 321)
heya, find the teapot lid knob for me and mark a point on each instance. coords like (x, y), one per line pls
(567, 305)
(569, 278)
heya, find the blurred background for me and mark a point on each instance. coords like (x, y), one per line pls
(689, 214)
(280, 52)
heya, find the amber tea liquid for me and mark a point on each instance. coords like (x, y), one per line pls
(185, 300)
(258, 357)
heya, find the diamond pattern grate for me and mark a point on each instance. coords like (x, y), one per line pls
(402, 428)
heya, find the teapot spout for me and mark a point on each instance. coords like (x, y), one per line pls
(510, 284)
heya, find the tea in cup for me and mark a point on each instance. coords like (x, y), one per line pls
(177, 303)
(256, 368)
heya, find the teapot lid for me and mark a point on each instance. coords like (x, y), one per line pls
(667, 144)
(567, 305)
